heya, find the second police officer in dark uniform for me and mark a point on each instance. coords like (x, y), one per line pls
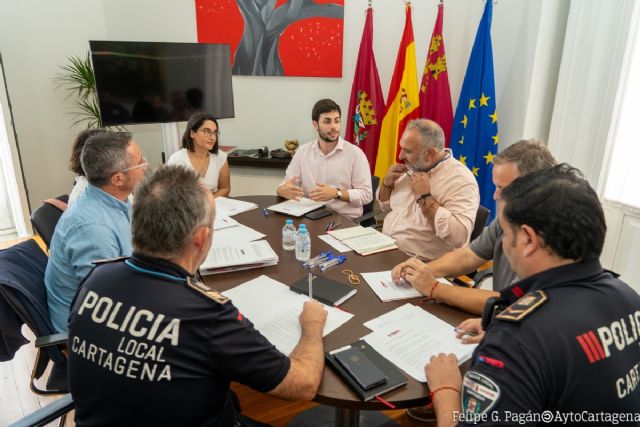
(564, 345)
(149, 345)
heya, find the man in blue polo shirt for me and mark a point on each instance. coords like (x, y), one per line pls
(98, 225)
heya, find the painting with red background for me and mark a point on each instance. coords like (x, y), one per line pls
(280, 38)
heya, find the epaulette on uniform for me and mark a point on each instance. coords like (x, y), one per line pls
(523, 307)
(109, 260)
(209, 293)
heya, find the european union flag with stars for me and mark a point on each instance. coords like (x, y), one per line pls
(474, 137)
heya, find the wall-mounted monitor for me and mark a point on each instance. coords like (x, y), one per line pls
(152, 82)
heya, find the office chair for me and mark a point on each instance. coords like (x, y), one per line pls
(23, 300)
(474, 278)
(482, 215)
(48, 413)
(367, 219)
(45, 218)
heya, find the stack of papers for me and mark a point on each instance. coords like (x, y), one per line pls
(364, 240)
(230, 207)
(237, 234)
(296, 207)
(241, 256)
(381, 283)
(408, 336)
(274, 310)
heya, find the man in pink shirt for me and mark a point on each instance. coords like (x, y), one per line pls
(329, 169)
(432, 199)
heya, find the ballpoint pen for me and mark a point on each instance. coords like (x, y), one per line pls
(265, 212)
(465, 332)
(335, 261)
(310, 286)
(334, 226)
(329, 227)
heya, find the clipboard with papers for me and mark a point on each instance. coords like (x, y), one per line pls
(237, 257)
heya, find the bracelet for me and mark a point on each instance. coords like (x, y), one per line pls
(433, 289)
(420, 200)
(444, 387)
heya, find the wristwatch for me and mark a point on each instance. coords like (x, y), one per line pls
(338, 194)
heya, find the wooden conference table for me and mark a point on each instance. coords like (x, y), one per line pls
(365, 305)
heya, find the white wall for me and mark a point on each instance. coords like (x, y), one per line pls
(37, 35)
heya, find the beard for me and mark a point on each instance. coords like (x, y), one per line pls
(419, 166)
(325, 136)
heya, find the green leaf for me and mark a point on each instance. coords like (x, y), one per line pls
(78, 80)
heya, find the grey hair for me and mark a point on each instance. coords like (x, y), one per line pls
(170, 205)
(103, 155)
(431, 134)
(529, 155)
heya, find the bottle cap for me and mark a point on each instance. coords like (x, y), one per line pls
(303, 226)
(289, 221)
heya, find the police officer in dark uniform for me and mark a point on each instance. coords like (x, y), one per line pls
(562, 345)
(150, 345)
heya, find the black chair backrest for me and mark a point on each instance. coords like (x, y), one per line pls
(368, 208)
(45, 218)
(375, 181)
(482, 215)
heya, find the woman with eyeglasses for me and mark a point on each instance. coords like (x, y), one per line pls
(200, 152)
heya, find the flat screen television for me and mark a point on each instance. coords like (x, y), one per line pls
(153, 82)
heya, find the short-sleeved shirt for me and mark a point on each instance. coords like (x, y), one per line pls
(345, 167)
(568, 344)
(216, 162)
(454, 187)
(146, 349)
(488, 245)
(96, 226)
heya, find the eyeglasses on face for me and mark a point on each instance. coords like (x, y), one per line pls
(209, 133)
(143, 164)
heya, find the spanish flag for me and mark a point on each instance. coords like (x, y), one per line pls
(402, 101)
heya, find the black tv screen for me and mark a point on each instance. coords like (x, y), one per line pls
(151, 82)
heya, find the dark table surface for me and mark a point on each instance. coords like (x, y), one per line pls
(365, 305)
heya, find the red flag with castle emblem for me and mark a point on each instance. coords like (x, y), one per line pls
(363, 128)
(435, 96)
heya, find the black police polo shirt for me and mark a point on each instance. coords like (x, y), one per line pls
(569, 343)
(149, 350)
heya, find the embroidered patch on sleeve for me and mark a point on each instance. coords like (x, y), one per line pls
(479, 393)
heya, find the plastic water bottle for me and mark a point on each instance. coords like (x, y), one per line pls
(288, 236)
(303, 244)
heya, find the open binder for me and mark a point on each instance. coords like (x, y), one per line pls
(395, 378)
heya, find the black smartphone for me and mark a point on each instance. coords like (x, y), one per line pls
(360, 368)
(318, 213)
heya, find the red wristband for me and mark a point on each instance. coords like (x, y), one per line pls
(433, 289)
(432, 393)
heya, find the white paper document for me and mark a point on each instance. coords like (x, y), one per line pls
(274, 309)
(335, 243)
(241, 255)
(408, 336)
(230, 207)
(223, 221)
(381, 283)
(237, 234)
(296, 207)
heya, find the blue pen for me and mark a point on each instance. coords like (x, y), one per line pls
(265, 212)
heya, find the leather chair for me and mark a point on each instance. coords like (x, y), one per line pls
(23, 300)
(45, 218)
(367, 219)
(482, 215)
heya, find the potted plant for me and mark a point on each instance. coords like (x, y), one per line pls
(78, 79)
